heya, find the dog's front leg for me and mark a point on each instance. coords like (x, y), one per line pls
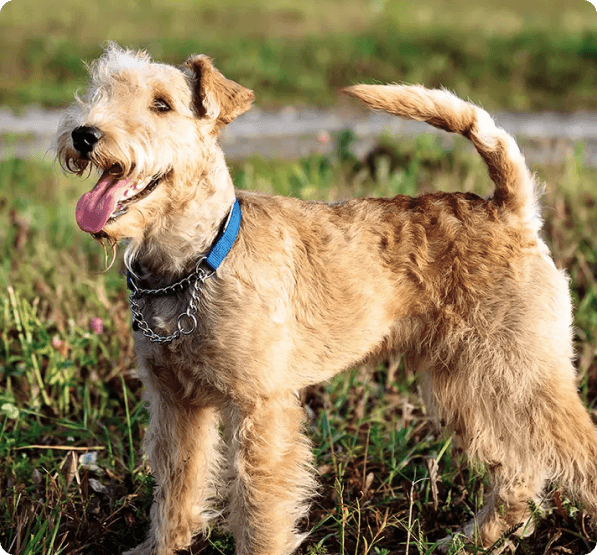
(272, 480)
(182, 445)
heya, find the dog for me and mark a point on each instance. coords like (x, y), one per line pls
(241, 299)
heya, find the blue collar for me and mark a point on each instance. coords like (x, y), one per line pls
(213, 259)
(223, 245)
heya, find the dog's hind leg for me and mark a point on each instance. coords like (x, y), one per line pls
(182, 445)
(561, 446)
(574, 444)
(272, 482)
(469, 414)
(525, 438)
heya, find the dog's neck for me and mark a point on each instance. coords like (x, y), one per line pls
(173, 250)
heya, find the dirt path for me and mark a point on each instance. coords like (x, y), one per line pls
(290, 133)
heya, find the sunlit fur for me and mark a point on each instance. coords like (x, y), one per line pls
(462, 286)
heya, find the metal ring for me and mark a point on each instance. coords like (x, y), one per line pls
(200, 274)
(181, 328)
(198, 268)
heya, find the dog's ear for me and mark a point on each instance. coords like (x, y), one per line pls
(215, 96)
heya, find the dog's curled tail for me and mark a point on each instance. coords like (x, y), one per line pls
(515, 190)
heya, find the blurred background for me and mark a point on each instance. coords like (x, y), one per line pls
(506, 54)
(73, 479)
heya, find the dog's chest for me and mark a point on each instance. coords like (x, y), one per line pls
(179, 368)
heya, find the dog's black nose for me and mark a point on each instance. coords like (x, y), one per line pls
(85, 137)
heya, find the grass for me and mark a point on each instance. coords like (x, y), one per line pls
(73, 479)
(508, 55)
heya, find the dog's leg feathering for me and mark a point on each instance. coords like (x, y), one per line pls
(273, 478)
(182, 445)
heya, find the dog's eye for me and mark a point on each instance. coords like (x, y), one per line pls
(160, 105)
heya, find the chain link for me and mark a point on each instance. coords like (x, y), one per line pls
(186, 322)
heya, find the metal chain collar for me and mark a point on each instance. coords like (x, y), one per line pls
(186, 322)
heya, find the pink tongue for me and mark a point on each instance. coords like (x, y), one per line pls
(95, 207)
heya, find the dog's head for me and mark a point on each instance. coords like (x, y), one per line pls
(150, 130)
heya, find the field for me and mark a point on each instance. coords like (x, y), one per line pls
(72, 474)
(73, 479)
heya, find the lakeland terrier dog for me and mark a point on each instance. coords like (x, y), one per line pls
(241, 299)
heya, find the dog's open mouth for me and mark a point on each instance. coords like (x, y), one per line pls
(110, 198)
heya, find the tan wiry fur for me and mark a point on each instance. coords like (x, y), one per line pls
(462, 286)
